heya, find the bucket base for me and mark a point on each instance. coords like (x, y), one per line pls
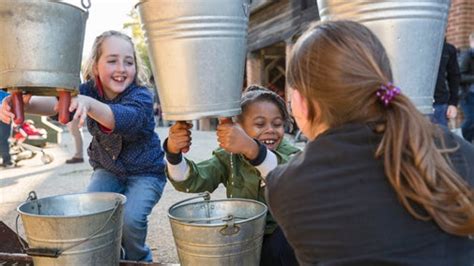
(199, 115)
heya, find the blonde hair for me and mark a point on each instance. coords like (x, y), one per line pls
(142, 75)
(340, 65)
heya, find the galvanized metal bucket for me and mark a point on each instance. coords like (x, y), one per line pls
(218, 232)
(74, 229)
(41, 50)
(412, 32)
(198, 51)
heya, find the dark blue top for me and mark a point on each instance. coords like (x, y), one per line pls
(336, 207)
(133, 147)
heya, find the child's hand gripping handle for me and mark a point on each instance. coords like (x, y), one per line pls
(179, 137)
(234, 139)
(185, 149)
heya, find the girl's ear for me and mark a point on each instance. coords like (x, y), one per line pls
(299, 103)
(95, 71)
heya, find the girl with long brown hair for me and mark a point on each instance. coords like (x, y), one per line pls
(378, 183)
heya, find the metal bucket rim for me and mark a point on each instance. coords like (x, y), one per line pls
(68, 4)
(123, 199)
(179, 221)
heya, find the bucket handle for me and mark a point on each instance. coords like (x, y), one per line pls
(86, 6)
(205, 195)
(54, 252)
(31, 196)
(230, 228)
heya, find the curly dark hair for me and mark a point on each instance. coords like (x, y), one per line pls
(256, 93)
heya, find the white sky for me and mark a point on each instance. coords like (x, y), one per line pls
(103, 15)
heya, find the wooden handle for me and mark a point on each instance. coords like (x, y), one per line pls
(63, 106)
(225, 120)
(185, 149)
(18, 109)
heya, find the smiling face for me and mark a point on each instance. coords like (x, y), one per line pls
(116, 66)
(262, 120)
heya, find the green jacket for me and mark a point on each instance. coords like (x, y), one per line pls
(242, 180)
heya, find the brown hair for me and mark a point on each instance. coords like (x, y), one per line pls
(340, 65)
(142, 75)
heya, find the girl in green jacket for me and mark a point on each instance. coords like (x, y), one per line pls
(249, 150)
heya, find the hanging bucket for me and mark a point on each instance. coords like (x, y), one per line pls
(198, 51)
(75, 229)
(218, 232)
(412, 33)
(41, 50)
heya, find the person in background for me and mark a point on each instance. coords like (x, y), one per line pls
(447, 86)
(377, 183)
(5, 132)
(77, 136)
(467, 83)
(125, 151)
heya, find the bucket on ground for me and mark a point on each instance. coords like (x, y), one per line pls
(198, 51)
(218, 232)
(74, 229)
(412, 33)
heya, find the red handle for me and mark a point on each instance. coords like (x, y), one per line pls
(63, 106)
(225, 120)
(18, 109)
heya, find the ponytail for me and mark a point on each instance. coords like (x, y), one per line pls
(421, 172)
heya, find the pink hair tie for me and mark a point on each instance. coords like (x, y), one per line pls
(387, 92)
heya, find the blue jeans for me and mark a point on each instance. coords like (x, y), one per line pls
(5, 132)
(143, 193)
(439, 115)
(467, 127)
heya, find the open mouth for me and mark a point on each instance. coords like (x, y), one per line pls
(270, 143)
(119, 79)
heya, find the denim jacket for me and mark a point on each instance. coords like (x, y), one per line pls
(133, 147)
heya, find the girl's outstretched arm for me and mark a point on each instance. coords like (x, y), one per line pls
(38, 105)
(87, 106)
